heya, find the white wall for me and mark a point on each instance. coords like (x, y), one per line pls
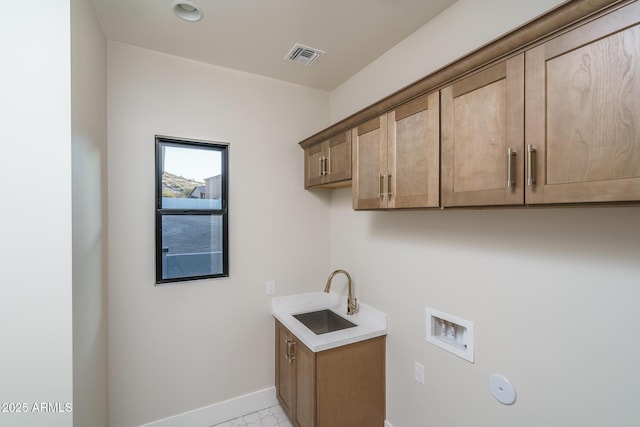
(89, 188)
(553, 293)
(180, 347)
(35, 249)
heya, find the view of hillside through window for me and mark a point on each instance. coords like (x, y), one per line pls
(189, 175)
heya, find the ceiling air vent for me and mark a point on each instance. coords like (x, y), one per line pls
(304, 55)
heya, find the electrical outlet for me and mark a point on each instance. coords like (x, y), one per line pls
(418, 372)
(271, 287)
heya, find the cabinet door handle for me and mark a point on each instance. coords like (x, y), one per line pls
(531, 165)
(380, 187)
(290, 350)
(511, 155)
(389, 194)
(321, 166)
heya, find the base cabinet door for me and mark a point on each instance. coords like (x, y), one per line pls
(340, 387)
(351, 385)
(285, 368)
(583, 112)
(305, 409)
(483, 137)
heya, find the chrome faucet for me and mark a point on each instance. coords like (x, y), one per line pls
(352, 303)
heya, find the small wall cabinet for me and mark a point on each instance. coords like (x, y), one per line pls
(340, 387)
(396, 157)
(328, 164)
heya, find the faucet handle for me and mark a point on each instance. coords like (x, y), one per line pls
(352, 306)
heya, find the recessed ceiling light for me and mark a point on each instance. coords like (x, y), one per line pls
(186, 10)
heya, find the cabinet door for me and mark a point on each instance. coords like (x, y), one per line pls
(413, 159)
(285, 369)
(338, 155)
(313, 166)
(370, 164)
(583, 112)
(351, 385)
(305, 413)
(483, 137)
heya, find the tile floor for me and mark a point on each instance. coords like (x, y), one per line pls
(270, 417)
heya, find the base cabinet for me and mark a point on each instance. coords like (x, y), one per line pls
(340, 387)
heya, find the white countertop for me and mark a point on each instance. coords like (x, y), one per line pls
(370, 322)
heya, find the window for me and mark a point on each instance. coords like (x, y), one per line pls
(192, 224)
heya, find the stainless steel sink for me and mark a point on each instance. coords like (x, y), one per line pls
(323, 321)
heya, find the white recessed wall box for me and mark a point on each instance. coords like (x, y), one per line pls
(450, 333)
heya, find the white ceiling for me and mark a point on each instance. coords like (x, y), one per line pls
(255, 35)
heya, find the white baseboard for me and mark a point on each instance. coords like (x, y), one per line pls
(221, 411)
(387, 424)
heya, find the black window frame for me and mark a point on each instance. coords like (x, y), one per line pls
(223, 212)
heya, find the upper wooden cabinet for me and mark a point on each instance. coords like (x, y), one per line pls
(547, 114)
(483, 137)
(583, 112)
(369, 164)
(396, 157)
(413, 131)
(328, 164)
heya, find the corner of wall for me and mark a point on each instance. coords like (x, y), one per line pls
(89, 210)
